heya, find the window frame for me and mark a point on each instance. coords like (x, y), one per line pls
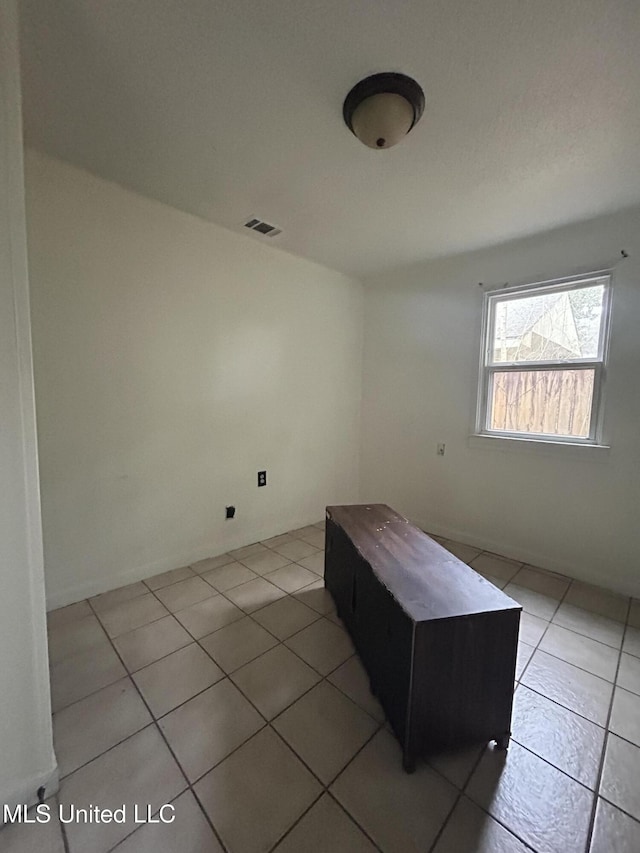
(599, 364)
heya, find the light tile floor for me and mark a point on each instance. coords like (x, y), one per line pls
(230, 690)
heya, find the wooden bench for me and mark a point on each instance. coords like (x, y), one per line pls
(438, 641)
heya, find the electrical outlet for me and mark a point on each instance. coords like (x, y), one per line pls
(440, 450)
(262, 478)
(230, 511)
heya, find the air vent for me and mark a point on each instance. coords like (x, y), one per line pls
(262, 227)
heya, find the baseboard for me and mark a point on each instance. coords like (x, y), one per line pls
(26, 791)
(95, 586)
(533, 558)
(522, 555)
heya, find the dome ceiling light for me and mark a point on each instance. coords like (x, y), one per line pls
(380, 110)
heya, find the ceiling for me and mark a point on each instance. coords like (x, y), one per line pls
(229, 109)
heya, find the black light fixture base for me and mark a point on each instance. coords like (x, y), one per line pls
(387, 82)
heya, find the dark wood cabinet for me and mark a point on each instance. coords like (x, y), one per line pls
(438, 641)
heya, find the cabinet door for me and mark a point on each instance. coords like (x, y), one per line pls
(339, 571)
(463, 679)
(396, 666)
(385, 640)
(371, 607)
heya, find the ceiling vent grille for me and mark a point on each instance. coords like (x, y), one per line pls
(262, 227)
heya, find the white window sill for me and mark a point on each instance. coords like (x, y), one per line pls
(566, 449)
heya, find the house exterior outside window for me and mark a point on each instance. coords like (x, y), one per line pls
(543, 360)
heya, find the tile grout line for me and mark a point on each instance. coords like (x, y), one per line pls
(499, 821)
(483, 809)
(325, 786)
(564, 708)
(577, 666)
(462, 791)
(463, 794)
(194, 641)
(198, 640)
(191, 785)
(197, 574)
(171, 752)
(542, 636)
(605, 745)
(459, 795)
(380, 725)
(268, 723)
(154, 723)
(319, 615)
(631, 817)
(300, 817)
(334, 799)
(155, 720)
(593, 791)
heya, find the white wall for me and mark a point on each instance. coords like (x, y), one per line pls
(173, 360)
(26, 752)
(575, 513)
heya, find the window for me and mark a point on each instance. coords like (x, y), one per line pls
(544, 350)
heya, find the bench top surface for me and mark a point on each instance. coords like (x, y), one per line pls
(425, 579)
